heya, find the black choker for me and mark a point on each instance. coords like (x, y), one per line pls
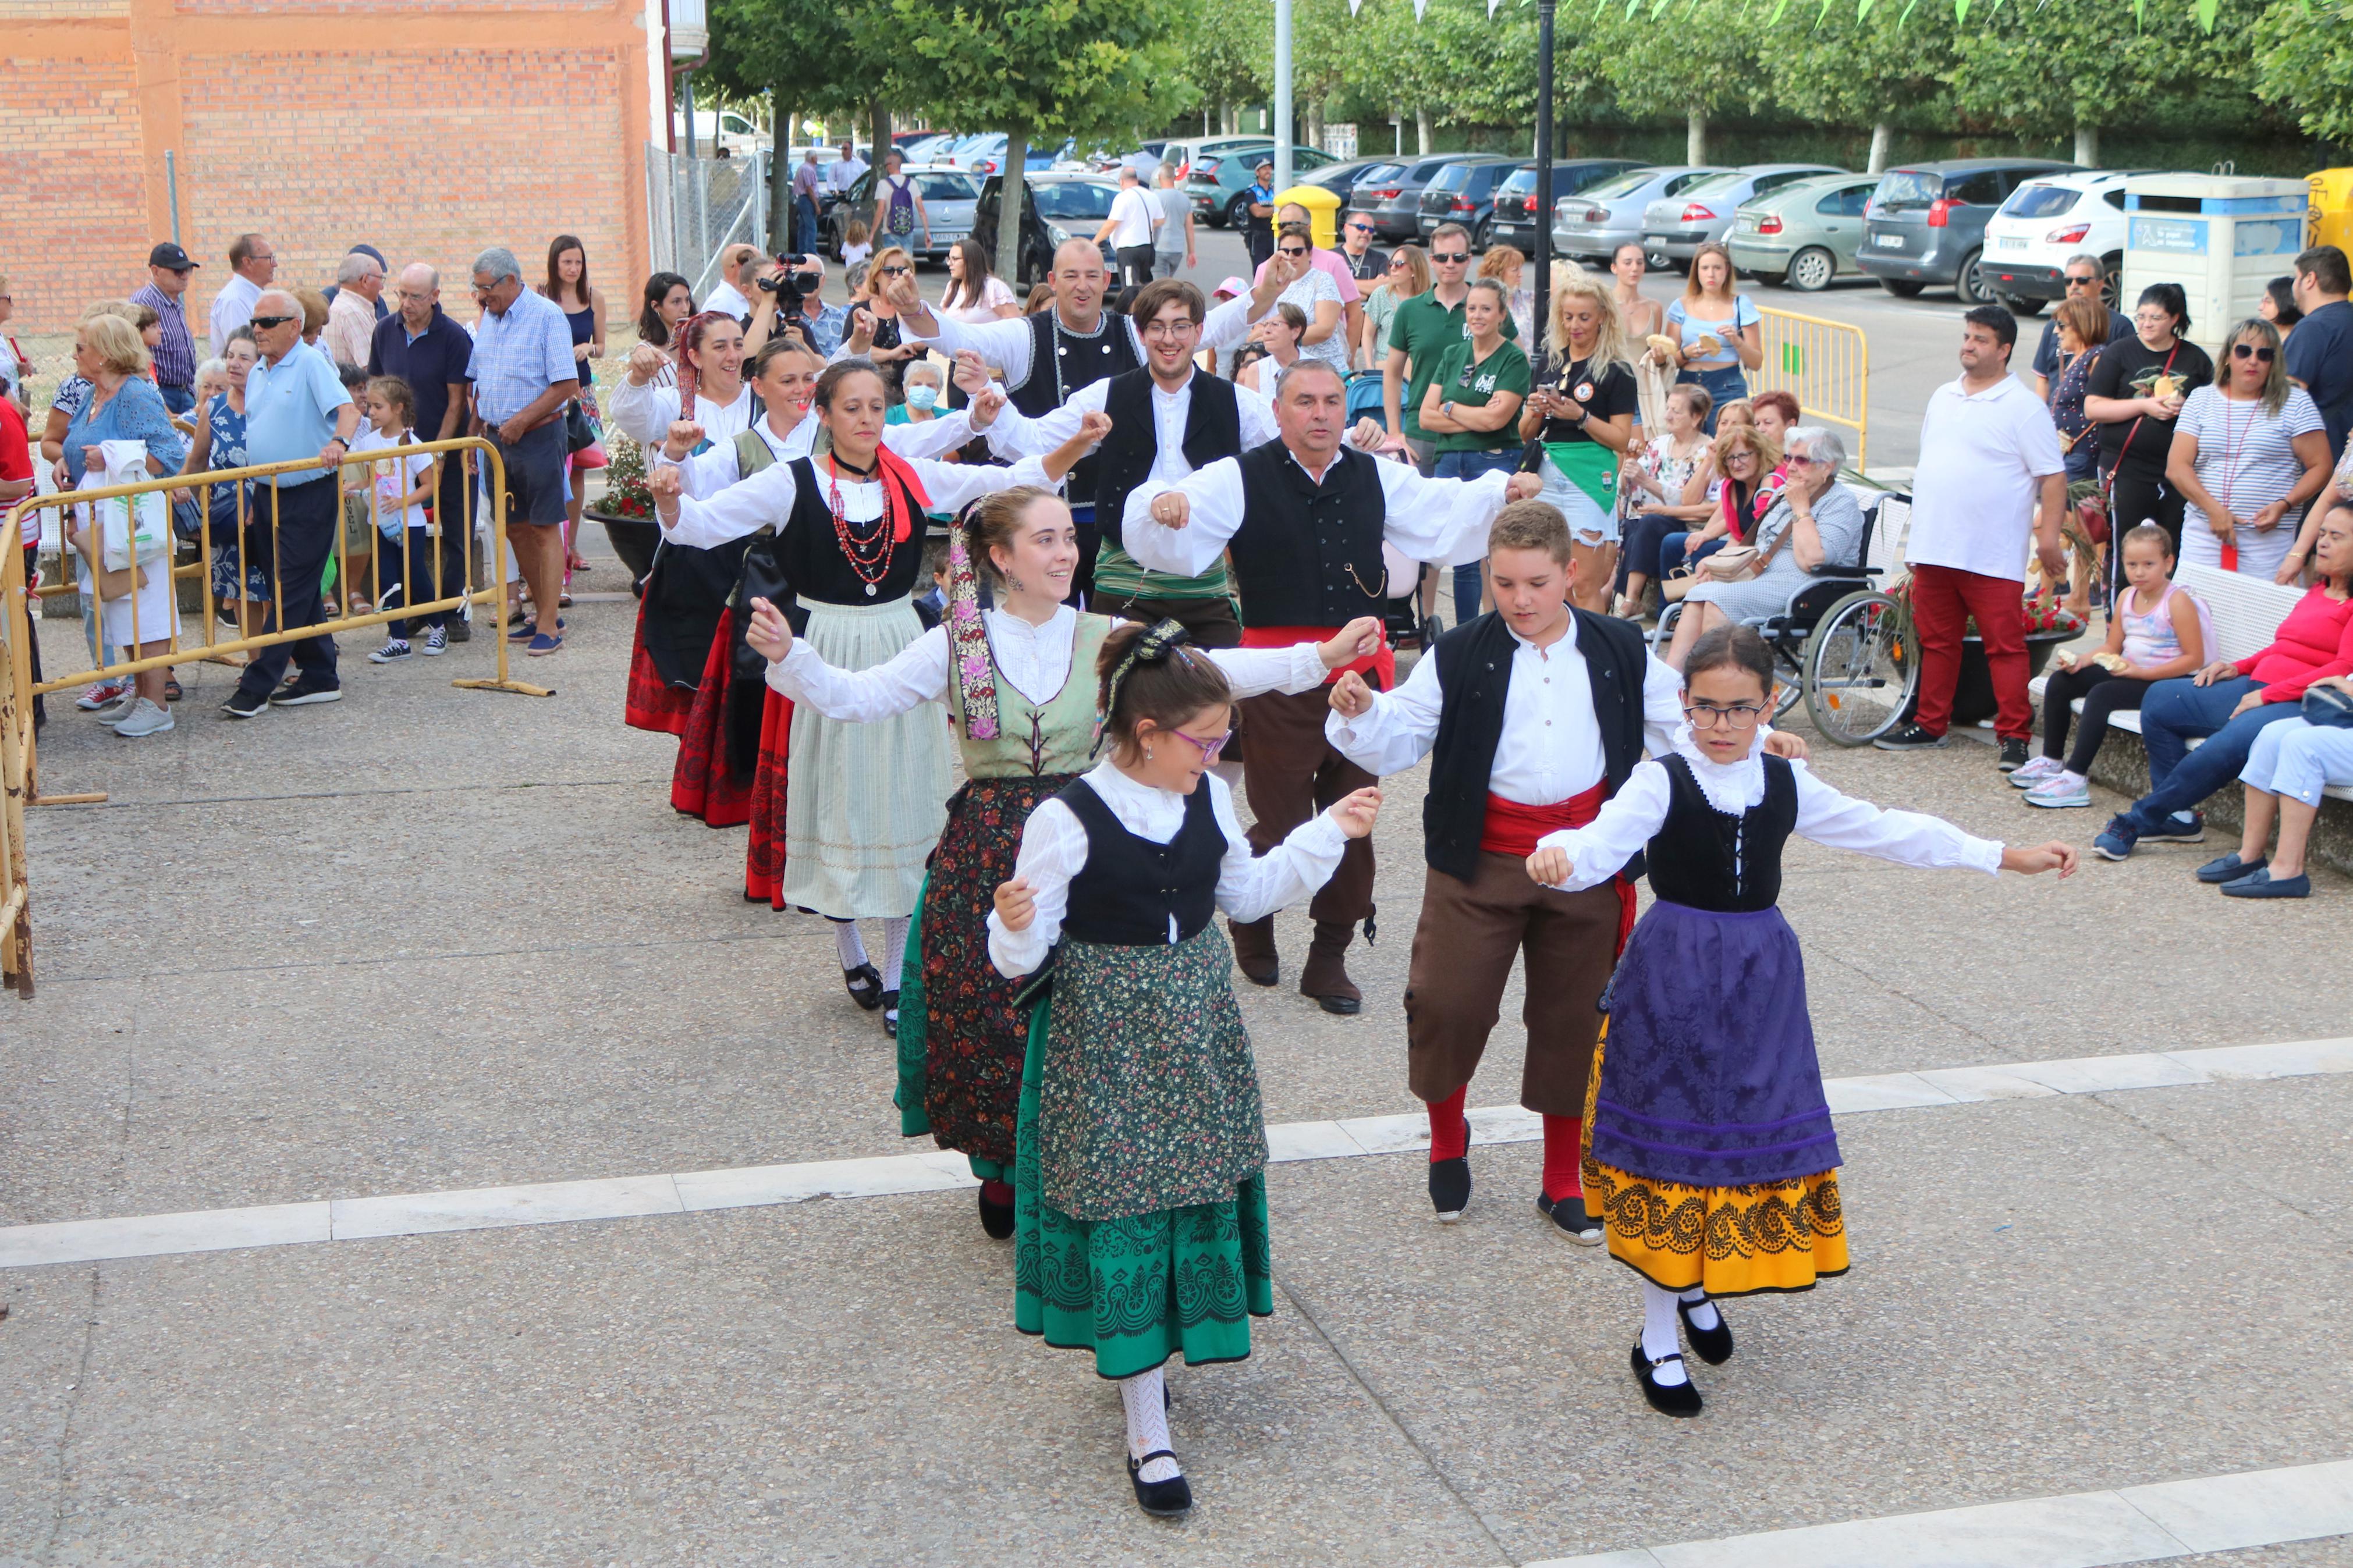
(865, 473)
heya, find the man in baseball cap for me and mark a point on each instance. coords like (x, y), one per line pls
(168, 270)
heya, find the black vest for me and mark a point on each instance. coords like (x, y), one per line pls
(1061, 362)
(1474, 672)
(810, 554)
(1703, 860)
(1129, 887)
(1309, 554)
(1213, 429)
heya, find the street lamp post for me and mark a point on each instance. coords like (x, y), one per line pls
(1282, 95)
(1542, 259)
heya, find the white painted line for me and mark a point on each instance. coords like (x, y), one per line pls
(2087, 1529)
(934, 1169)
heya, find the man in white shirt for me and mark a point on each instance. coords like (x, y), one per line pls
(846, 170)
(1134, 217)
(252, 264)
(1990, 474)
(350, 314)
(728, 298)
(1172, 244)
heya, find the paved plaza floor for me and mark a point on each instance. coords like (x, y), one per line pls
(301, 979)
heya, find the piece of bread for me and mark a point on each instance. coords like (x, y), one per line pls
(1706, 344)
(1663, 344)
(2111, 662)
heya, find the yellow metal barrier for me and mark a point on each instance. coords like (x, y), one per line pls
(1825, 366)
(16, 765)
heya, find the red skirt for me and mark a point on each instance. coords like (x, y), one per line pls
(764, 857)
(653, 703)
(700, 785)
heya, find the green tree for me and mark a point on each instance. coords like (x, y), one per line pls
(803, 56)
(2303, 62)
(1695, 60)
(1044, 69)
(1228, 55)
(1877, 66)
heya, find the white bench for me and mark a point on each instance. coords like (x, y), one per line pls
(2247, 613)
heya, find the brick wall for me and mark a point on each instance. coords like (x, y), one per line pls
(427, 127)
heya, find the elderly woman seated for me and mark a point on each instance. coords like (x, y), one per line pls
(2288, 766)
(1816, 523)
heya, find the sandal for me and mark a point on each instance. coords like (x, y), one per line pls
(172, 689)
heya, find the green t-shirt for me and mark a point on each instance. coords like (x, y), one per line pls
(1425, 330)
(1469, 385)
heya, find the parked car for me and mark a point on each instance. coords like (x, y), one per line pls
(1803, 235)
(1675, 226)
(985, 154)
(1340, 179)
(1186, 151)
(714, 129)
(1055, 207)
(1463, 192)
(1592, 224)
(1391, 195)
(1217, 181)
(931, 148)
(1928, 221)
(2044, 222)
(948, 197)
(1515, 198)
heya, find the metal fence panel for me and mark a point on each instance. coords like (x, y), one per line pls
(696, 207)
(1825, 366)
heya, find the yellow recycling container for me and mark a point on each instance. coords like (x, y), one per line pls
(1323, 211)
(2331, 221)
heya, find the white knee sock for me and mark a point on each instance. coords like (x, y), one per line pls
(894, 951)
(1703, 1314)
(1148, 1423)
(846, 945)
(1662, 1334)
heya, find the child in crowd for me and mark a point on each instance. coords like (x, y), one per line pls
(929, 606)
(1709, 1150)
(2293, 761)
(856, 242)
(355, 571)
(2160, 630)
(391, 497)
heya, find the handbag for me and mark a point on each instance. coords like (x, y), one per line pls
(579, 435)
(2327, 707)
(1734, 563)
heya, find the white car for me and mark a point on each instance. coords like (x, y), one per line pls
(2046, 220)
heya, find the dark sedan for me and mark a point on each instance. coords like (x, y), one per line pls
(1391, 195)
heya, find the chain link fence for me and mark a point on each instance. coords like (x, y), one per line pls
(698, 206)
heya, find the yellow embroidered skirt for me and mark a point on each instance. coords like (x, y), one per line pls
(1733, 1241)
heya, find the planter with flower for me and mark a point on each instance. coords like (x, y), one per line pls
(2050, 626)
(626, 508)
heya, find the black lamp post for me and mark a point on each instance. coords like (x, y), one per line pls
(1542, 262)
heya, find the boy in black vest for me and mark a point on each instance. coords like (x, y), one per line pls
(1536, 711)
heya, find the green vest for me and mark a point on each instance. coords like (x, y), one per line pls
(752, 454)
(1033, 739)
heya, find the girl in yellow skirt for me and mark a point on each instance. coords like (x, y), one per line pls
(1710, 1155)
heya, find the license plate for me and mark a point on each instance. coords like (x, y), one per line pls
(2010, 242)
(1745, 225)
(1654, 239)
(1888, 241)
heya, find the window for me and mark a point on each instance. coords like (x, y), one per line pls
(1309, 158)
(1380, 173)
(943, 187)
(1452, 178)
(736, 125)
(1715, 183)
(1572, 180)
(2039, 200)
(1909, 188)
(861, 189)
(1982, 189)
(1624, 185)
(1786, 177)
(1690, 184)
(2116, 198)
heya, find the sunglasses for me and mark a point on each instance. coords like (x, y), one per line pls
(1360, 228)
(2253, 350)
(2075, 282)
(266, 322)
(1290, 250)
(1449, 257)
(895, 271)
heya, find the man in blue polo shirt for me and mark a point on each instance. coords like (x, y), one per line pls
(425, 348)
(2320, 349)
(524, 374)
(295, 409)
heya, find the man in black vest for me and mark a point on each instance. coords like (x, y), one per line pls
(1536, 712)
(1301, 523)
(1166, 420)
(1046, 359)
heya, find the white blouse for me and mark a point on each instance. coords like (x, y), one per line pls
(1054, 851)
(1035, 660)
(1443, 521)
(1632, 817)
(716, 466)
(766, 500)
(644, 414)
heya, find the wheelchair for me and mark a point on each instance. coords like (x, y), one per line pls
(1845, 642)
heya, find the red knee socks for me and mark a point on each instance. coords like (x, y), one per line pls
(1449, 1134)
(1561, 1137)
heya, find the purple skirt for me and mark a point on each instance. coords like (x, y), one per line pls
(1709, 1078)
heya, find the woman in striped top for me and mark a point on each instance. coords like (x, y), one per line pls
(2248, 452)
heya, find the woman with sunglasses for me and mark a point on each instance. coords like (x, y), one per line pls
(1317, 296)
(1406, 276)
(1014, 681)
(2137, 391)
(2248, 453)
(875, 330)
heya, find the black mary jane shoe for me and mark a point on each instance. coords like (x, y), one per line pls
(1161, 1500)
(891, 1013)
(995, 1219)
(864, 985)
(1715, 1345)
(1675, 1399)
(1571, 1219)
(1450, 1188)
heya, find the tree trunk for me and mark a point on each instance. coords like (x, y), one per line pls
(2087, 146)
(1011, 187)
(1228, 117)
(1421, 128)
(1315, 124)
(780, 176)
(1882, 139)
(1695, 137)
(878, 117)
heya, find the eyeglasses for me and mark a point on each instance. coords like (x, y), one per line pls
(2254, 351)
(266, 322)
(1209, 749)
(1711, 716)
(896, 271)
(1450, 257)
(1170, 329)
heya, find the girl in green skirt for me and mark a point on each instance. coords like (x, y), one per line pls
(1140, 1213)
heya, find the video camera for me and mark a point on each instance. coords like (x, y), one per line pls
(794, 287)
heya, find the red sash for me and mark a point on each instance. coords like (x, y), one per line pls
(1513, 828)
(1382, 660)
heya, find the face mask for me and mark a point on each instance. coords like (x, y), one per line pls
(923, 398)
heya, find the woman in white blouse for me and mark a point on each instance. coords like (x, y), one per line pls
(2248, 453)
(708, 378)
(1317, 296)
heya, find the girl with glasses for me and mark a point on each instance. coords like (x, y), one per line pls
(2248, 452)
(1706, 1103)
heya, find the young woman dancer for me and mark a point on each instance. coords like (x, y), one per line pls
(1709, 1146)
(1141, 1227)
(1021, 704)
(863, 802)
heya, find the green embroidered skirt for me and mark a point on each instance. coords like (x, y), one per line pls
(1140, 1109)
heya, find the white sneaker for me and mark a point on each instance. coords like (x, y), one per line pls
(145, 718)
(2060, 794)
(2035, 771)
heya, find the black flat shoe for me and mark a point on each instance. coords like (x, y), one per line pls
(864, 985)
(1715, 1345)
(1450, 1188)
(1678, 1399)
(995, 1219)
(891, 1013)
(1346, 1007)
(1572, 1219)
(1162, 1500)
